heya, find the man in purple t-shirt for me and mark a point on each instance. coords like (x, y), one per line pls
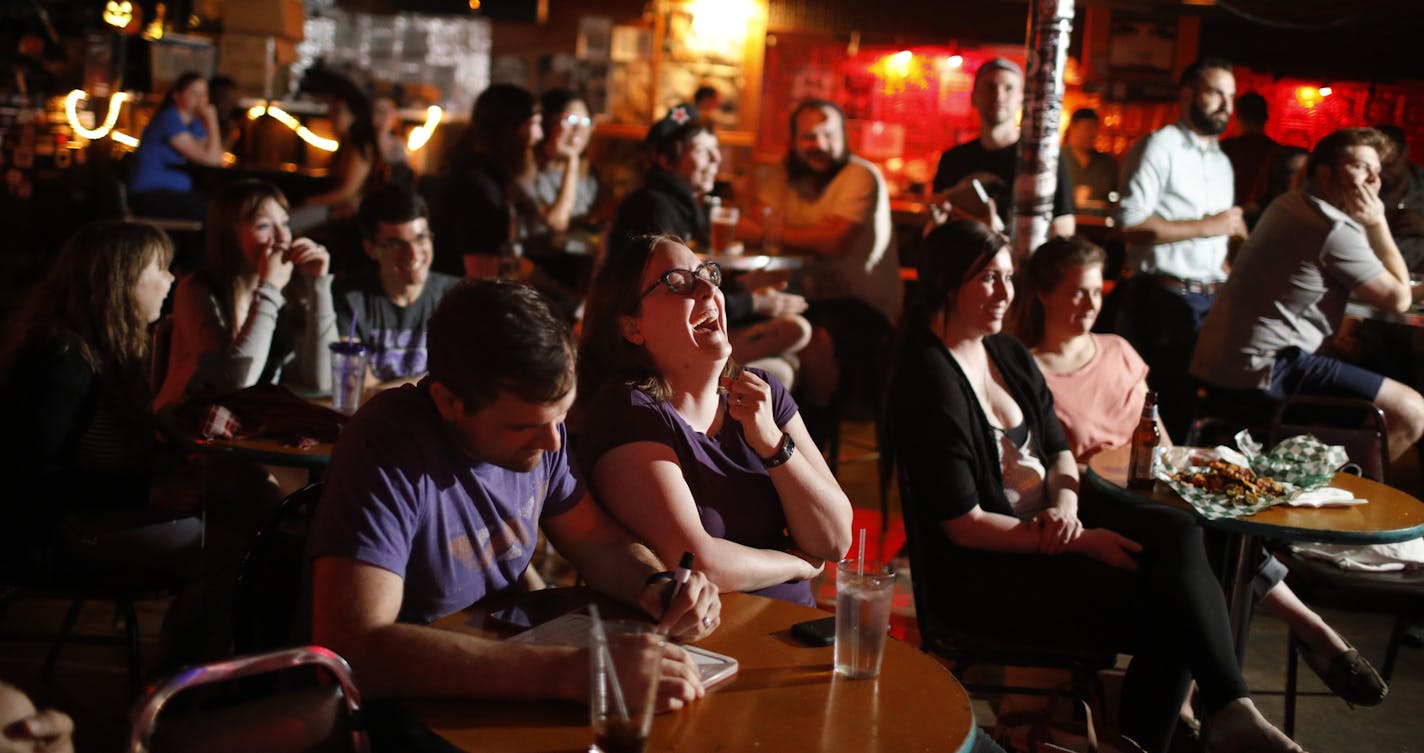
(432, 503)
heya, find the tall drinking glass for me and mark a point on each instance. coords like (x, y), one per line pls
(863, 598)
(623, 686)
(348, 375)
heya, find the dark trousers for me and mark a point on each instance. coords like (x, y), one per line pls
(1170, 614)
(1162, 324)
(860, 334)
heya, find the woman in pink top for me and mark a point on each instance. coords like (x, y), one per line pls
(1099, 384)
(1098, 381)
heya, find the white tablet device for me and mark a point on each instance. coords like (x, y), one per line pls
(572, 630)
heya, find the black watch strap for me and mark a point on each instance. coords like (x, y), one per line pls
(783, 452)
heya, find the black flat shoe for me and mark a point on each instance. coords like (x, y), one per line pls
(1349, 676)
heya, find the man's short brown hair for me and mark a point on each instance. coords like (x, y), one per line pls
(491, 336)
(1330, 151)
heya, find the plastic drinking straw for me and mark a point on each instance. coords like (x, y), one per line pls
(351, 334)
(855, 607)
(605, 657)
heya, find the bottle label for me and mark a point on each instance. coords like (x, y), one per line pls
(1146, 462)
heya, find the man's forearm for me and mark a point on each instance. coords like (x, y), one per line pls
(616, 568)
(400, 660)
(1382, 243)
(1156, 230)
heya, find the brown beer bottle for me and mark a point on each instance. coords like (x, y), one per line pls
(1146, 442)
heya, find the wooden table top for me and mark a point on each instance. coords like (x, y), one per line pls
(1390, 516)
(785, 697)
(270, 451)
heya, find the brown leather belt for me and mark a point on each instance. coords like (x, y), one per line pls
(1186, 286)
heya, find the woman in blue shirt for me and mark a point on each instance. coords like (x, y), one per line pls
(184, 129)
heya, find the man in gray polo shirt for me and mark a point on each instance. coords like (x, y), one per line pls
(1313, 249)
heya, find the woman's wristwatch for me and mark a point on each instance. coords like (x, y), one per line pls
(782, 453)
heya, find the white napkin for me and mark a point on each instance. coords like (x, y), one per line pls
(1232, 456)
(1402, 555)
(1325, 496)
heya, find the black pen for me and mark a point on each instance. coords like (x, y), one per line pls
(679, 579)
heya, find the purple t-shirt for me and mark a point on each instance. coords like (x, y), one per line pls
(401, 496)
(735, 497)
(395, 334)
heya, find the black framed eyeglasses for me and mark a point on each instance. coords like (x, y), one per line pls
(684, 281)
(392, 245)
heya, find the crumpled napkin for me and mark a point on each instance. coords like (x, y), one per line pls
(1325, 496)
(1379, 558)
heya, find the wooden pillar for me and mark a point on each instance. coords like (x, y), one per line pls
(1050, 22)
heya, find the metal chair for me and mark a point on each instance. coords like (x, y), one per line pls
(272, 578)
(325, 717)
(1359, 426)
(122, 594)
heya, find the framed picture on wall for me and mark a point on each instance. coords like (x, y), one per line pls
(1142, 42)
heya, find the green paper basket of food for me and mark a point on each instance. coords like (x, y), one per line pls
(1224, 483)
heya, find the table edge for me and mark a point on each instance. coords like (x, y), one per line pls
(1277, 531)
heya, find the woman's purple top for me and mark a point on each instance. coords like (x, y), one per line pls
(735, 498)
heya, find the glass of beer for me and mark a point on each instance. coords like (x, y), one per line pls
(724, 229)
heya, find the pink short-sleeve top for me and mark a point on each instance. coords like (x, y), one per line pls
(1100, 404)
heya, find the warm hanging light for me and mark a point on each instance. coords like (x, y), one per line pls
(124, 138)
(1310, 96)
(118, 14)
(421, 134)
(306, 134)
(900, 69)
(154, 31)
(286, 119)
(71, 112)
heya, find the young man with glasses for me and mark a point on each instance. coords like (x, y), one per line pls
(391, 306)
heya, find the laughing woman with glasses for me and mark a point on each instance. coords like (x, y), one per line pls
(689, 452)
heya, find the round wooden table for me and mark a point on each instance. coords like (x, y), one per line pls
(270, 451)
(784, 697)
(1389, 516)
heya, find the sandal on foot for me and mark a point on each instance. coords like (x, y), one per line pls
(1349, 676)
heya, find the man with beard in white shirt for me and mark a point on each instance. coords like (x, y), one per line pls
(1178, 213)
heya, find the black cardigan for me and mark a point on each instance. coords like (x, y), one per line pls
(941, 436)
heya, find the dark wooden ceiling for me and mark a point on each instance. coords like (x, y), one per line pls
(1342, 39)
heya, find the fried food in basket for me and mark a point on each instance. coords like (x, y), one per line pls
(1239, 485)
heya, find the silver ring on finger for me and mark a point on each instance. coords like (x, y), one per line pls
(707, 621)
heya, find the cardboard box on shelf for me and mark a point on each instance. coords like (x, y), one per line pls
(258, 63)
(281, 18)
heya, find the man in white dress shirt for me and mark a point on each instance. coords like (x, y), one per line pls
(1178, 213)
